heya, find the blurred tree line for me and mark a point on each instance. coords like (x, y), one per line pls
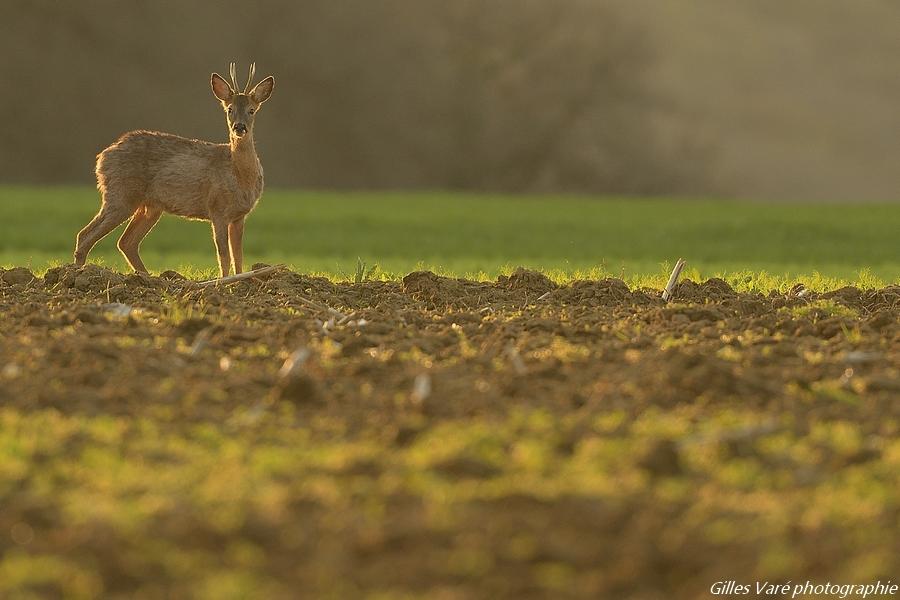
(516, 95)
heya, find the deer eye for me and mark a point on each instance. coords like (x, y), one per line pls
(252, 110)
(229, 110)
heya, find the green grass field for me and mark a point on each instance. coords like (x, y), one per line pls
(480, 236)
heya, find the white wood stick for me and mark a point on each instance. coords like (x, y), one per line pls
(346, 318)
(242, 276)
(421, 388)
(294, 362)
(673, 279)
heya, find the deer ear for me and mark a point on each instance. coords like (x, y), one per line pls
(263, 90)
(220, 88)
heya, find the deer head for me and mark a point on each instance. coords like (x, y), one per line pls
(241, 107)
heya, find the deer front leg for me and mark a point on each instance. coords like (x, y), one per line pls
(236, 241)
(220, 237)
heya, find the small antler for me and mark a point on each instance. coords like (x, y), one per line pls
(250, 78)
(233, 77)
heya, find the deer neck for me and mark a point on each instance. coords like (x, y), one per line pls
(244, 160)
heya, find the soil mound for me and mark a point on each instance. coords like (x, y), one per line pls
(524, 279)
(887, 298)
(711, 290)
(87, 278)
(436, 291)
(606, 292)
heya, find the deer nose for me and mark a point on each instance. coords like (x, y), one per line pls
(240, 128)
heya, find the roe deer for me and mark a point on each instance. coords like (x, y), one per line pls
(146, 173)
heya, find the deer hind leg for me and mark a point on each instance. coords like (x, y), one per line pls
(110, 216)
(145, 217)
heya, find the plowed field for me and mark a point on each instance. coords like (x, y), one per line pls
(289, 436)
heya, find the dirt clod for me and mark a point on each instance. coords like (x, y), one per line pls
(662, 459)
(299, 389)
(16, 276)
(466, 467)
